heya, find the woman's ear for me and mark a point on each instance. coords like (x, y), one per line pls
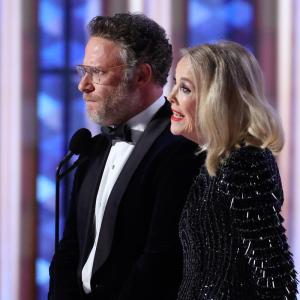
(143, 74)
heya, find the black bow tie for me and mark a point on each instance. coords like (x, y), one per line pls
(118, 133)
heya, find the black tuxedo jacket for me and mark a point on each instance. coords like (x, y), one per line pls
(138, 255)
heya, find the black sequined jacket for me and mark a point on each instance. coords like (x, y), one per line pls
(234, 244)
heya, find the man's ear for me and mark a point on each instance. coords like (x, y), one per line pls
(144, 74)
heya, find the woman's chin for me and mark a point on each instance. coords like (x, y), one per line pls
(175, 131)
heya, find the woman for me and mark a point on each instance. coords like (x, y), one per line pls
(231, 230)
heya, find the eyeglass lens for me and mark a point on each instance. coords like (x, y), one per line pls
(93, 74)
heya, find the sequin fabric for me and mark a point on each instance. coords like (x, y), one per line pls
(231, 230)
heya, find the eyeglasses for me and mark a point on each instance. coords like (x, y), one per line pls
(93, 73)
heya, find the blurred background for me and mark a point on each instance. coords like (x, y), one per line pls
(40, 107)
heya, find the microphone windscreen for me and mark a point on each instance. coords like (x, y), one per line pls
(80, 141)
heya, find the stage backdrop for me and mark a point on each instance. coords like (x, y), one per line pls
(40, 106)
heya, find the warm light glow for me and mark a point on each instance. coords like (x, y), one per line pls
(284, 62)
(136, 6)
(10, 166)
(295, 221)
(160, 12)
(289, 108)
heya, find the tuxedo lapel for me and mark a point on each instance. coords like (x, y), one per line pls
(87, 196)
(156, 126)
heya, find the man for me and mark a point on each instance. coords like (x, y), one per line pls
(121, 236)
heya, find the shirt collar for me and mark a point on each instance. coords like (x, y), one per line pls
(140, 121)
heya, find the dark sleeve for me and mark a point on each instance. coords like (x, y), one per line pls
(256, 199)
(63, 279)
(158, 271)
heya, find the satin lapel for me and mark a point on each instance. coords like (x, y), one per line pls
(87, 197)
(156, 126)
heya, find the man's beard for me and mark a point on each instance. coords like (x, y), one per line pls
(118, 107)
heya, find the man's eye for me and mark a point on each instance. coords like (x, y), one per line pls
(96, 71)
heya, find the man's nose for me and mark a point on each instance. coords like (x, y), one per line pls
(85, 84)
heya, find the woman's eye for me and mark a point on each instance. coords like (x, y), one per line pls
(185, 89)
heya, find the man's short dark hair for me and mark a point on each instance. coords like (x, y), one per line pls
(143, 40)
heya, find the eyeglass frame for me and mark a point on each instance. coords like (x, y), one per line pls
(94, 71)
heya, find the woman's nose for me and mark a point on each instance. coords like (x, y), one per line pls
(171, 97)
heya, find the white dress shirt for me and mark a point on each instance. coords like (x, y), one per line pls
(118, 156)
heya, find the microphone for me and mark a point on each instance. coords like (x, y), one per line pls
(80, 141)
(80, 145)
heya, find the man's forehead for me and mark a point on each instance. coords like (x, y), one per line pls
(102, 52)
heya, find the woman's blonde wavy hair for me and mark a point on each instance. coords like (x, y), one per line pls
(232, 109)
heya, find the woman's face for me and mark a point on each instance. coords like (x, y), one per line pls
(183, 102)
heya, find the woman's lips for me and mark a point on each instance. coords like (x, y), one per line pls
(176, 116)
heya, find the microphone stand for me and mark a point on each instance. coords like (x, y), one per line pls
(57, 202)
(77, 145)
(58, 177)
